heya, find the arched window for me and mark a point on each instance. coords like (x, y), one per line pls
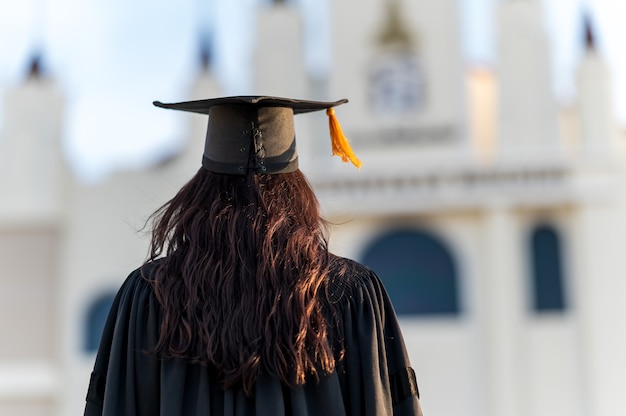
(546, 269)
(95, 320)
(418, 272)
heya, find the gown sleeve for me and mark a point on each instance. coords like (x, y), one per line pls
(124, 370)
(376, 375)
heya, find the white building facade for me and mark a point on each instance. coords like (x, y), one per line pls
(495, 218)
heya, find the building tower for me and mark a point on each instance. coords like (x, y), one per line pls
(402, 70)
(278, 53)
(527, 122)
(33, 180)
(601, 230)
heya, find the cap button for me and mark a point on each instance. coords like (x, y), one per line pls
(242, 149)
(245, 132)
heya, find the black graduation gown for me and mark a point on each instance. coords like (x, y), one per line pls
(373, 379)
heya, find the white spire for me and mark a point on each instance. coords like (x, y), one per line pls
(33, 175)
(597, 130)
(528, 117)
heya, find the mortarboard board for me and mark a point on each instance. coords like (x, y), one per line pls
(257, 133)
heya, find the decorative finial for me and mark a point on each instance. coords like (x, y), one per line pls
(394, 30)
(590, 41)
(206, 52)
(35, 70)
(205, 59)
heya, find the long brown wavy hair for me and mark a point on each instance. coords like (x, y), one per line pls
(241, 281)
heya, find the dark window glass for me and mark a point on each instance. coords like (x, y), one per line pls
(418, 272)
(95, 320)
(547, 270)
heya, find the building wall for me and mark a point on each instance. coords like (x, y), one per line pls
(28, 319)
(527, 360)
(27, 311)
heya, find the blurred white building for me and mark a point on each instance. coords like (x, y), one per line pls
(495, 218)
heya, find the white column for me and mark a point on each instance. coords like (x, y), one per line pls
(599, 294)
(502, 307)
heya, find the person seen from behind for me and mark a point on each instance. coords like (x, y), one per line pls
(241, 309)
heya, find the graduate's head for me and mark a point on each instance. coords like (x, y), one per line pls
(250, 165)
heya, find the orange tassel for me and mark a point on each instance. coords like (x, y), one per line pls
(341, 146)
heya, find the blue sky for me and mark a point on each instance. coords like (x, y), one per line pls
(112, 58)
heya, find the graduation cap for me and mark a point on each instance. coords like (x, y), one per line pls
(257, 133)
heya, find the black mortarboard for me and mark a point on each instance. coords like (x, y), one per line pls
(257, 133)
